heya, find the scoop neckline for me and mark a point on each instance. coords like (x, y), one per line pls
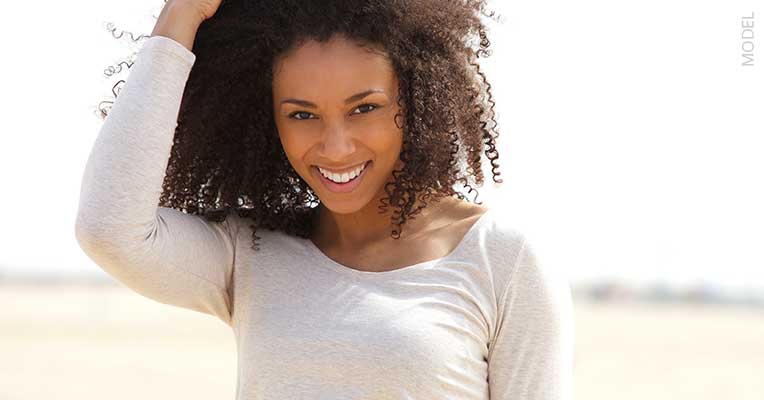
(327, 261)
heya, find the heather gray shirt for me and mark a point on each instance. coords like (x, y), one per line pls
(487, 321)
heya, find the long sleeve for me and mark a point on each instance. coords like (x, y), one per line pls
(161, 253)
(531, 354)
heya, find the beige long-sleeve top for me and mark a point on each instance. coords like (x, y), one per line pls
(487, 321)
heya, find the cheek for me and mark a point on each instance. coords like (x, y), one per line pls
(388, 144)
(293, 146)
(388, 138)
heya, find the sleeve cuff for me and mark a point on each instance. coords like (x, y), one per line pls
(169, 45)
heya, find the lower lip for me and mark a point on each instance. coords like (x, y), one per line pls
(346, 187)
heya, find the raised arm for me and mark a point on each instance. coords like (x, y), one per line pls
(161, 253)
(531, 355)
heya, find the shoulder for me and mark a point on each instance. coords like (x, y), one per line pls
(502, 242)
(527, 284)
(502, 237)
(518, 259)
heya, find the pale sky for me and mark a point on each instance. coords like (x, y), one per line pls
(631, 136)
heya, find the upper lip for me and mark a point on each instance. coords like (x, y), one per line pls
(342, 170)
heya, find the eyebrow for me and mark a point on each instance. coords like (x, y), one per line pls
(353, 98)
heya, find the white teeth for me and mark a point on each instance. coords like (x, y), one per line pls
(344, 177)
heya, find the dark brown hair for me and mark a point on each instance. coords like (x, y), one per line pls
(227, 154)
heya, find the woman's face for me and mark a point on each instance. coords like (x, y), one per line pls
(334, 107)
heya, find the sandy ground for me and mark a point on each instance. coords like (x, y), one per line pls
(73, 342)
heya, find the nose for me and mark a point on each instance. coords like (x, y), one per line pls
(337, 144)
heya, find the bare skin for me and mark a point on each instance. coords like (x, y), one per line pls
(337, 135)
(431, 237)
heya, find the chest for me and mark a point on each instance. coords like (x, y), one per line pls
(365, 341)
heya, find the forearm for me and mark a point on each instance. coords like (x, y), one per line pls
(123, 177)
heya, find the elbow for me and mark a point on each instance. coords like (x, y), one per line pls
(111, 240)
(86, 233)
(112, 254)
(87, 239)
(94, 238)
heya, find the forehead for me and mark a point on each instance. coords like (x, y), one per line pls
(334, 64)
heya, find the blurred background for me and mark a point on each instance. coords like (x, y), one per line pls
(631, 153)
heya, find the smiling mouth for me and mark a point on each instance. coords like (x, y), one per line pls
(360, 167)
(343, 169)
(342, 187)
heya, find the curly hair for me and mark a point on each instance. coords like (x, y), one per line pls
(226, 151)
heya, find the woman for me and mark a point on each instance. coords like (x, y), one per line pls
(314, 117)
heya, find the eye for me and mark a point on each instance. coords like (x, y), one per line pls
(294, 114)
(366, 105)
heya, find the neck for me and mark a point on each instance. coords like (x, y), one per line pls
(367, 226)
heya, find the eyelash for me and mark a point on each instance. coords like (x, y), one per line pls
(292, 115)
